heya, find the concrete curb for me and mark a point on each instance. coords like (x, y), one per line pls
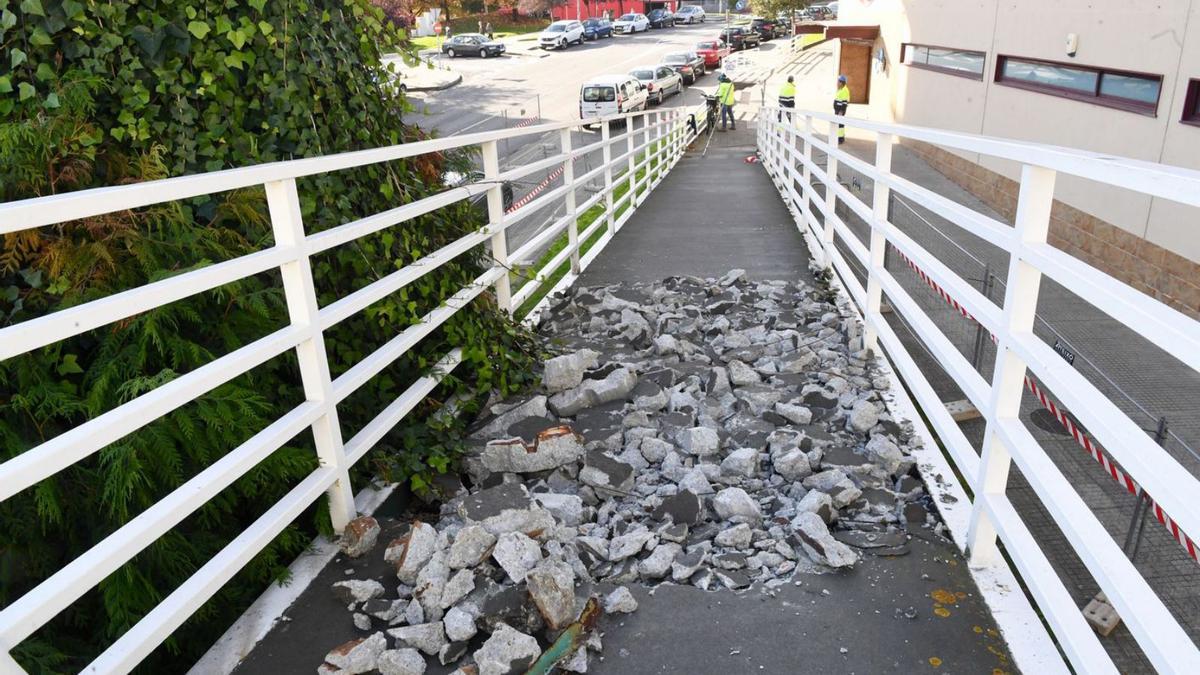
(441, 87)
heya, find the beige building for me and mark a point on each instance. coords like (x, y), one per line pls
(1118, 77)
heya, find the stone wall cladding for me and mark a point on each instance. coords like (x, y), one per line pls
(1151, 269)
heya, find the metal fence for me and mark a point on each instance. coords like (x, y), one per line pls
(639, 157)
(995, 377)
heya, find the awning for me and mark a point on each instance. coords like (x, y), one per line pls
(852, 32)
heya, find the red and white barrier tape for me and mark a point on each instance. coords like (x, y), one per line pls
(525, 122)
(1086, 442)
(537, 189)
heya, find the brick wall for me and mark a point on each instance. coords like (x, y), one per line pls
(1152, 269)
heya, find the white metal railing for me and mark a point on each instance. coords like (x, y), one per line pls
(786, 146)
(654, 146)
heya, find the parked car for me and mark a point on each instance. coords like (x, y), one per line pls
(660, 81)
(594, 29)
(713, 52)
(739, 37)
(661, 18)
(689, 65)
(631, 23)
(611, 95)
(690, 14)
(561, 34)
(472, 44)
(764, 27)
(833, 10)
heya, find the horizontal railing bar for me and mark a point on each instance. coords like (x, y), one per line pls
(342, 234)
(338, 311)
(986, 228)
(40, 211)
(1163, 640)
(349, 381)
(857, 292)
(1169, 329)
(965, 376)
(60, 452)
(34, 333)
(41, 604)
(541, 238)
(398, 409)
(1160, 474)
(1169, 182)
(1075, 636)
(535, 205)
(139, 641)
(551, 162)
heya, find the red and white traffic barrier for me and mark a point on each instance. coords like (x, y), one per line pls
(1086, 442)
(537, 190)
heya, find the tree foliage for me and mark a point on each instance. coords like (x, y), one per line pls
(106, 93)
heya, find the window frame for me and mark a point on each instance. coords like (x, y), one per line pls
(938, 69)
(1191, 103)
(1095, 98)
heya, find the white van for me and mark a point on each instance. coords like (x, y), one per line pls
(611, 95)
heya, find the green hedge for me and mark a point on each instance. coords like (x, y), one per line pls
(104, 93)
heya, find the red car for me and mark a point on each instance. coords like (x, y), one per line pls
(712, 51)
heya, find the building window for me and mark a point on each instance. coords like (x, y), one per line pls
(1191, 104)
(1136, 92)
(961, 62)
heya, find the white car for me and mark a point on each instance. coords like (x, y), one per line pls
(611, 95)
(690, 14)
(660, 81)
(561, 34)
(631, 23)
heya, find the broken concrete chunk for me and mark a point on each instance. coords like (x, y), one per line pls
(742, 375)
(699, 441)
(428, 637)
(419, 546)
(459, 625)
(506, 651)
(742, 462)
(738, 536)
(430, 583)
(505, 508)
(552, 586)
(819, 545)
(658, 563)
(735, 505)
(359, 536)
(457, 588)
(885, 453)
(358, 656)
(566, 508)
(796, 414)
(470, 546)
(516, 554)
(684, 506)
(695, 481)
(620, 601)
(615, 386)
(357, 590)
(819, 503)
(534, 407)
(655, 450)
(628, 544)
(405, 661)
(793, 465)
(605, 473)
(863, 416)
(551, 449)
(564, 372)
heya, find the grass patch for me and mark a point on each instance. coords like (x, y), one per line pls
(586, 220)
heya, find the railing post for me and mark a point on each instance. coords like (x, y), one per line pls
(569, 182)
(283, 203)
(806, 172)
(881, 195)
(1008, 378)
(632, 159)
(606, 154)
(495, 202)
(649, 149)
(831, 169)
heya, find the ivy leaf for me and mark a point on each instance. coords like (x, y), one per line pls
(7, 20)
(32, 277)
(5, 84)
(237, 37)
(44, 72)
(18, 57)
(234, 60)
(51, 100)
(265, 28)
(257, 4)
(25, 90)
(69, 365)
(223, 25)
(33, 7)
(198, 29)
(40, 38)
(190, 12)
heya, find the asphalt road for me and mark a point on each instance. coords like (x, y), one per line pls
(528, 84)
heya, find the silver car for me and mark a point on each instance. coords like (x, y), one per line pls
(660, 81)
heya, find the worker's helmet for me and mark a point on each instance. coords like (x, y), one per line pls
(723, 78)
(842, 79)
(791, 79)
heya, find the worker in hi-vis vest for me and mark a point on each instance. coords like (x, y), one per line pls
(841, 101)
(725, 96)
(787, 96)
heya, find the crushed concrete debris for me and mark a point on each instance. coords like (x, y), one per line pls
(717, 433)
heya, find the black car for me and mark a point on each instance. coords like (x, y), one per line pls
(689, 65)
(661, 18)
(472, 44)
(594, 29)
(738, 37)
(764, 27)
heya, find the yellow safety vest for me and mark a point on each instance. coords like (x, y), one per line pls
(725, 93)
(842, 94)
(788, 92)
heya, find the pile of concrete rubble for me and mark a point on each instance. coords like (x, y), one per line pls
(719, 433)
